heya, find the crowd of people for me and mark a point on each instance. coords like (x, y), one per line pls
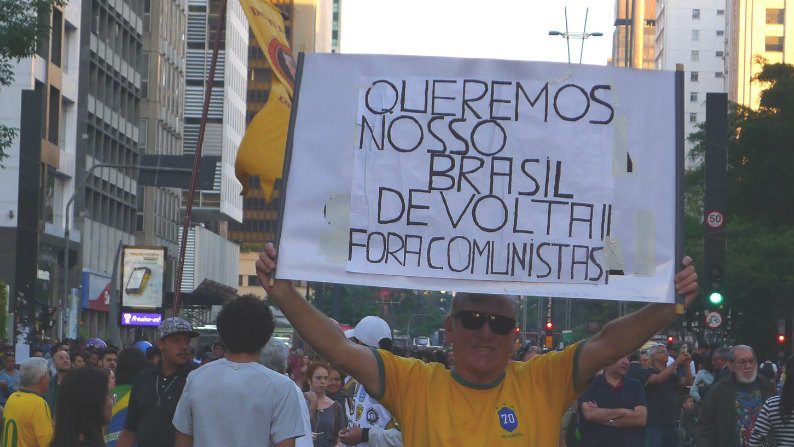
(351, 388)
(716, 396)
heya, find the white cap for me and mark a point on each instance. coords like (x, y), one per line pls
(349, 333)
(370, 330)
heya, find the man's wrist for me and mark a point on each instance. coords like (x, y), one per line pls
(365, 434)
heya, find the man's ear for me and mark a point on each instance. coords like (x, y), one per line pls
(448, 336)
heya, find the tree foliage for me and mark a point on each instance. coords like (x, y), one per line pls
(23, 24)
(759, 274)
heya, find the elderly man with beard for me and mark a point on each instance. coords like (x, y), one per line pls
(731, 406)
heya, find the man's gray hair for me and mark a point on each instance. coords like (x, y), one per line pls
(477, 297)
(732, 352)
(32, 370)
(275, 355)
(655, 348)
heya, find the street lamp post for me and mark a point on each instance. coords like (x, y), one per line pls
(77, 187)
(568, 35)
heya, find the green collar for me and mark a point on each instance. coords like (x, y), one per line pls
(477, 386)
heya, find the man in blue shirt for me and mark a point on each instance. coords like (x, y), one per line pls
(613, 409)
(10, 380)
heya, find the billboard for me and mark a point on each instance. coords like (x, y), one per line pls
(141, 319)
(143, 272)
(96, 291)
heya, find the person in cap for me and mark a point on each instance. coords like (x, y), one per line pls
(365, 412)
(235, 401)
(156, 391)
(485, 399)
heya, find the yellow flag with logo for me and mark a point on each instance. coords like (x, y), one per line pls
(261, 151)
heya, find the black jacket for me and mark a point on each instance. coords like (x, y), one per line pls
(717, 423)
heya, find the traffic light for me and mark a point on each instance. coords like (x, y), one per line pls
(715, 291)
(781, 338)
(549, 329)
(670, 340)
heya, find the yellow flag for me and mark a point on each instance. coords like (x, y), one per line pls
(261, 151)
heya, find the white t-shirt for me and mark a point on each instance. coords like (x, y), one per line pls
(238, 404)
(304, 441)
(367, 412)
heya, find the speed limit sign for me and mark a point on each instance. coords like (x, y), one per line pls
(715, 219)
(714, 320)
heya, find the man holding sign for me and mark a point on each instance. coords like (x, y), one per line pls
(485, 400)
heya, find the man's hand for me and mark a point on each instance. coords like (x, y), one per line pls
(683, 359)
(350, 435)
(317, 330)
(625, 335)
(686, 281)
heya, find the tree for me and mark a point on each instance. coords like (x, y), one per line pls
(21, 30)
(760, 219)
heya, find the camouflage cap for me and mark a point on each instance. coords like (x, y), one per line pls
(175, 325)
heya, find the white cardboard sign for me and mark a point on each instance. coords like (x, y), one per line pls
(479, 175)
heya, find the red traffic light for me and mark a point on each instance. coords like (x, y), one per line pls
(781, 338)
(670, 339)
(518, 330)
(549, 325)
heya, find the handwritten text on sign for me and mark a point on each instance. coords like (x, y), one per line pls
(504, 180)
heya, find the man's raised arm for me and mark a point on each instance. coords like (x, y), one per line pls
(316, 329)
(625, 335)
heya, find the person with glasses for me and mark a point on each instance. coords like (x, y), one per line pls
(486, 399)
(729, 410)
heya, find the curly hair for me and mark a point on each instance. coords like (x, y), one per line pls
(245, 324)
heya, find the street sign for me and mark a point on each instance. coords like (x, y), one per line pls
(715, 219)
(714, 320)
(567, 336)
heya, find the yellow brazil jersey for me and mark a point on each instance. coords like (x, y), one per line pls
(438, 408)
(27, 421)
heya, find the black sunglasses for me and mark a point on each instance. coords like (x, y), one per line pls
(473, 321)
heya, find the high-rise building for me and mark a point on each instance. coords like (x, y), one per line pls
(692, 33)
(213, 209)
(38, 175)
(635, 31)
(759, 29)
(161, 120)
(226, 118)
(108, 110)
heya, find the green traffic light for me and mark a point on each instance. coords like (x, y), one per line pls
(715, 298)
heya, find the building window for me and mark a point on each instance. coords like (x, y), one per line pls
(720, 12)
(695, 13)
(693, 117)
(720, 32)
(693, 76)
(718, 74)
(774, 43)
(253, 280)
(695, 55)
(695, 34)
(775, 16)
(719, 54)
(693, 96)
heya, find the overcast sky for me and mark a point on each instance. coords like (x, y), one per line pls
(495, 29)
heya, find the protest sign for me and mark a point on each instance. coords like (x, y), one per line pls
(476, 175)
